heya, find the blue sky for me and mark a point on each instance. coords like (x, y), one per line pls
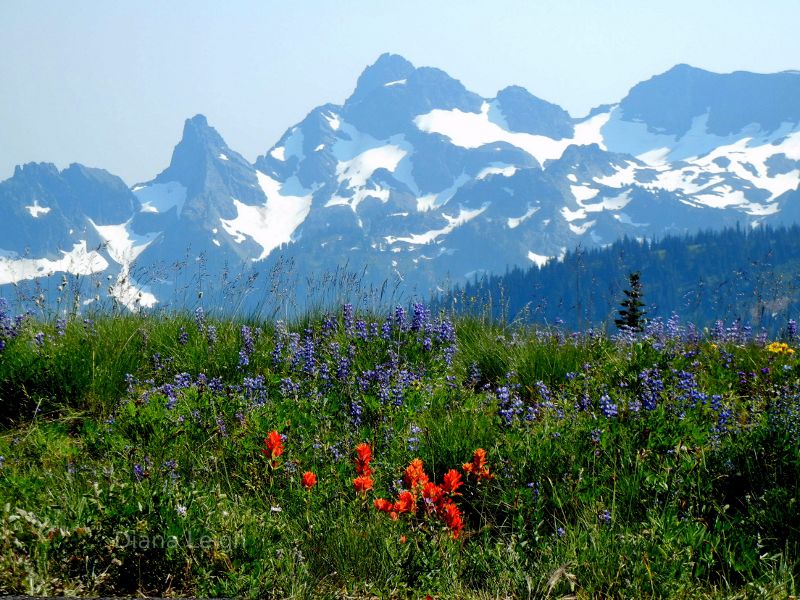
(109, 84)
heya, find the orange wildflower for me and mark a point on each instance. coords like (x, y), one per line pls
(363, 458)
(362, 483)
(478, 466)
(432, 492)
(451, 516)
(414, 476)
(274, 445)
(309, 480)
(452, 481)
(406, 503)
(383, 505)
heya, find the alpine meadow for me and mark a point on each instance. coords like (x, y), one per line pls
(436, 341)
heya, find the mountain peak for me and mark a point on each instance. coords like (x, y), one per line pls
(197, 131)
(388, 68)
(526, 113)
(199, 145)
(669, 102)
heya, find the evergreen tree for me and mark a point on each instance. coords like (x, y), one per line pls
(631, 315)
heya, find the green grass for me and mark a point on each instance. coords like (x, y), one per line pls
(114, 483)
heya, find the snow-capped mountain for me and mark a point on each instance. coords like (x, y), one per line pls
(419, 179)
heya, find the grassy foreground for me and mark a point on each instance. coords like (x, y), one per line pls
(137, 456)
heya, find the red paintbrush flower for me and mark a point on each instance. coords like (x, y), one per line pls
(478, 466)
(451, 516)
(274, 445)
(363, 458)
(362, 483)
(432, 492)
(452, 481)
(406, 503)
(309, 480)
(415, 476)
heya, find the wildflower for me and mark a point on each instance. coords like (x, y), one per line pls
(452, 481)
(451, 516)
(363, 483)
(181, 510)
(274, 446)
(139, 472)
(38, 339)
(363, 458)
(383, 505)
(780, 348)
(432, 493)
(309, 480)
(607, 407)
(478, 467)
(406, 503)
(605, 517)
(415, 476)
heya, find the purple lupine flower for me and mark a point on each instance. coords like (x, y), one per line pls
(413, 440)
(348, 314)
(607, 407)
(329, 324)
(356, 412)
(38, 339)
(605, 517)
(420, 317)
(200, 318)
(400, 317)
(61, 327)
(386, 329)
(248, 345)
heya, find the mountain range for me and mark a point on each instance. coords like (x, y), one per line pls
(418, 181)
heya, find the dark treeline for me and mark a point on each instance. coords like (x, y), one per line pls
(750, 275)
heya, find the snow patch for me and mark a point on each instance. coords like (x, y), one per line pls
(161, 197)
(278, 153)
(222, 156)
(333, 120)
(272, 224)
(472, 130)
(397, 82)
(431, 201)
(35, 210)
(583, 193)
(122, 245)
(464, 216)
(538, 259)
(78, 261)
(515, 222)
(360, 168)
(581, 229)
(497, 169)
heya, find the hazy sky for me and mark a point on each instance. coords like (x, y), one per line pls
(109, 83)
